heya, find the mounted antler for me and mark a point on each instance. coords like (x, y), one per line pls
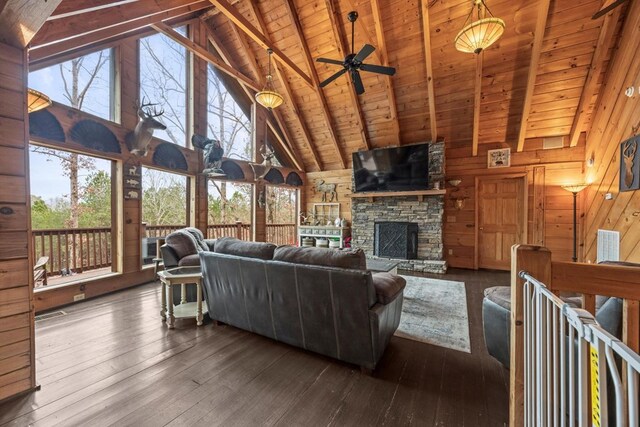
(139, 140)
(629, 154)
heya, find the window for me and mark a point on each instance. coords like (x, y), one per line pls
(282, 208)
(163, 81)
(229, 204)
(71, 213)
(226, 120)
(85, 83)
(164, 208)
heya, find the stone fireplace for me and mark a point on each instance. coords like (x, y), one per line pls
(397, 212)
(395, 239)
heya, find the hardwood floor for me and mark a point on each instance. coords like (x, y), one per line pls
(111, 361)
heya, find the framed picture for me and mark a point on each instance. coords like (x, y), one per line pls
(630, 164)
(500, 158)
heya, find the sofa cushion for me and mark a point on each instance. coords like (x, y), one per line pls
(232, 246)
(199, 238)
(351, 259)
(387, 286)
(182, 242)
(190, 260)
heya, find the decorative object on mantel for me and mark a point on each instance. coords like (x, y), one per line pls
(212, 153)
(138, 140)
(325, 188)
(500, 158)
(575, 189)
(456, 197)
(630, 164)
(37, 101)
(478, 35)
(268, 97)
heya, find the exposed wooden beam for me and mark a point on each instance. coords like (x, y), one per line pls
(343, 50)
(607, 7)
(226, 57)
(242, 22)
(289, 99)
(20, 20)
(202, 53)
(293, 15)
(605, 39)
(426, 37)
(103, 35)
(477, 98)
(538, 37)
(76, 25)
(76, 7)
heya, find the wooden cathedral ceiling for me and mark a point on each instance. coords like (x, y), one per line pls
(326, 125)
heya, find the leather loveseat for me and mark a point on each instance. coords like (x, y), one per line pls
(322, 300)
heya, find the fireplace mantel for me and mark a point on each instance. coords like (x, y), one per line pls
(420, 194)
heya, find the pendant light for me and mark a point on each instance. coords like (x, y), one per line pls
(268, 97)
(478, 35)
(37, 100)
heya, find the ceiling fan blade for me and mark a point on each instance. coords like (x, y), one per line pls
(357, 82)
(332, 78)
(329, 61)
(366, 50)
(390, 71)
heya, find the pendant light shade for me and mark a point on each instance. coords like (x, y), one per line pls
(478, 35)
(268, 97)
(37, 100)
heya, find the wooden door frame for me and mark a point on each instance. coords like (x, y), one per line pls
(522, 175)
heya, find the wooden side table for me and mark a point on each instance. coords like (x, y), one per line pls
(181, 276)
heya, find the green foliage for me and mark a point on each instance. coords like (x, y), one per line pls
(95, 204)
(164, 198)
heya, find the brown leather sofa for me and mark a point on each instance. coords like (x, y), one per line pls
(322, 300)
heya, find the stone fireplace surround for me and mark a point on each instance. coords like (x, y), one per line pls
(428, 214)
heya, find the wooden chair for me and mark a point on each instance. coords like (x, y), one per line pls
(40, 271)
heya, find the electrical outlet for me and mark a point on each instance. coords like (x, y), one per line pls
(608, 196)
(450, 251)
(78, 297)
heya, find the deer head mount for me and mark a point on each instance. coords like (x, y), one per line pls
(138, 140)
(628, 155)
(260, 170)
(212, 154)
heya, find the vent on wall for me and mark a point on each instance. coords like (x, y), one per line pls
(551, 143)
(50, 315)
(608, 245)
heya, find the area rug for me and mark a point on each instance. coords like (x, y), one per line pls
(435, 312)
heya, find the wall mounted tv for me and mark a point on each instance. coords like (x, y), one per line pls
(403, 168)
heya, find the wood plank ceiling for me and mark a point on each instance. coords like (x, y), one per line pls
(327, 125)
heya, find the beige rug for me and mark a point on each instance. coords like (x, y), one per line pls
(435, 312)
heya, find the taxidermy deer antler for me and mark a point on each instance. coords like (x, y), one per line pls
(143, 132)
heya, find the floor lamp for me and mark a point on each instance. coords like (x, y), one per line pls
(575, 189)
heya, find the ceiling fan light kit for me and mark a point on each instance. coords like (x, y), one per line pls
(478, 35)
(353, 62)
(268, 97)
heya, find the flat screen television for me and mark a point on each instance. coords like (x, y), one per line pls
(403, 168)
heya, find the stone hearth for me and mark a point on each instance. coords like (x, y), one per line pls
(428, 214)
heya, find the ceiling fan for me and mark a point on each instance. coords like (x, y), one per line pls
(353, 62)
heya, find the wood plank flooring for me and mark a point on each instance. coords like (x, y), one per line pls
(111, 361)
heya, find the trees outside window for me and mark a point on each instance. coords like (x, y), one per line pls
(281, 205)
(163, 81)
(164, 198)
(232, 206)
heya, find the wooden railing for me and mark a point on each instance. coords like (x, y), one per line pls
(586, 279)
(282, 234)
(238, 230)
(161, 230)
(73, 250)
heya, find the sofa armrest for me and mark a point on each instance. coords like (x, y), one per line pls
(384, 320)
(169, 256)
(210, 243)
(388, 286)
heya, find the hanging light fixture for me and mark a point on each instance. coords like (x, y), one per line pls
(478, 35)
(37, 100)
(268, 97)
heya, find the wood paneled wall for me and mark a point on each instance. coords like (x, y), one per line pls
(17, 371)
(342, 179)
(614, 121)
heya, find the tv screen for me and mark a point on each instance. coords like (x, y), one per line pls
(403, 168)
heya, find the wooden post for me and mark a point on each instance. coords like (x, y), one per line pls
(535, 260)
(239, 230)
(259, 140)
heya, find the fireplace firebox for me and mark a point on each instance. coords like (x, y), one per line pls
(397, 240)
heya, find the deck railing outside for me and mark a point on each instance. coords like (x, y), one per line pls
(83, 249)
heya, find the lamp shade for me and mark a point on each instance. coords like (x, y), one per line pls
(575, 188)
(37, 100)
(269, 98)
(479, 35)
